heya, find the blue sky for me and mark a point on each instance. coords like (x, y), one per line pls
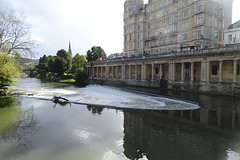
(84, 23)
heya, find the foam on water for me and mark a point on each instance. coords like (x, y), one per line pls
(109, 96)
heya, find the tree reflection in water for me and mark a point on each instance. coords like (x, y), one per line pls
(95, 109)
(16, 125)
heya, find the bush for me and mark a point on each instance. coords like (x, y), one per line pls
(81, 78)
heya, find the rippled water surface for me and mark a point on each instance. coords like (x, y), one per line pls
(36, 128)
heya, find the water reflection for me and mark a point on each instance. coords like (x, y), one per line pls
(10, 112)
(95, 110)
(196, 134)
(16, 126)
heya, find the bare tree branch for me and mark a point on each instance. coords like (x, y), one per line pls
(15, 34)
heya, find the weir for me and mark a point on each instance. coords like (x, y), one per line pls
(215, 70)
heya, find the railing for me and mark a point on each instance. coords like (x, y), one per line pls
(206, 51)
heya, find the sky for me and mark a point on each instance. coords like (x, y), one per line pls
(85, 23)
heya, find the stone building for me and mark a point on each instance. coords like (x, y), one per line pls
(232, 34)
(163, 26)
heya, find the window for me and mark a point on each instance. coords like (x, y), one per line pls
(216, 22)
(176, 7)
(150, 17)
(126, 38)
(185, 2)
(139, 27)
(131, 37)
(216, 34)
(176, 17)
(160, 5)
(167, 11)
(199, 7)
(133, 7)
(185, 13)
(126, 22)
(126, 30)
(139, 44)
(230, 37)
(167, 20)
(126, 47)
(198, 33)
(216, 11)
(214, 70)
(175, 27)
(220, 25)
(139, 36)
(131, 29)
(220, 36)
(131, 21)
(167, 30)
(199, 19)
(158, 24)
(149, 25)
(139, 19)
(131, 45)
(220, 13)
(185, 24)
(184, 36)
(149, 34)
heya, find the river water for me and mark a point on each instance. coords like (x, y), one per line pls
(107, 123)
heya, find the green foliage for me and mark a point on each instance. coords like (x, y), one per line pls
(95, 53)
(81, 78)
(9, 72)
(78, 62)
(67, 57)
(9, 114)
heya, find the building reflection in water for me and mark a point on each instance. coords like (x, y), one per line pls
(190, 134)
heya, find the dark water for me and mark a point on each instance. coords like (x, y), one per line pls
(31, 128)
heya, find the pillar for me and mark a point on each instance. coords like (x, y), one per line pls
(160, 71)
(152, 71)
(107, 72)
(123, 72)
(135, 71)
(143, 73)
(182, 72)
(220, 71)
(208, 71)
(192, 71)
(130, 72)
(117, 73)
(235, 71)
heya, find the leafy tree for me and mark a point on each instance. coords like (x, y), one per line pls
(67, 56)
(78, 62)
(95, 53)
(60, 65)
(81, 78)
(14, 34)
(9, 72)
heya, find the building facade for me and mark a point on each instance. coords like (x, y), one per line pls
(232, 34)
(163, 26)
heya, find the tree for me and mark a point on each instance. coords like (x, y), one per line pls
(78, 62)
(60, 65)
(14, 34)
(67, 56)
(9, 72)
(95, 53)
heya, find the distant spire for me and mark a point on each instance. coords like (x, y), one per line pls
(69, 48)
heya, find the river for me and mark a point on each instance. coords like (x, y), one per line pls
(108, 123)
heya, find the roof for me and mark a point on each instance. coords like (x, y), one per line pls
(235, 25)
